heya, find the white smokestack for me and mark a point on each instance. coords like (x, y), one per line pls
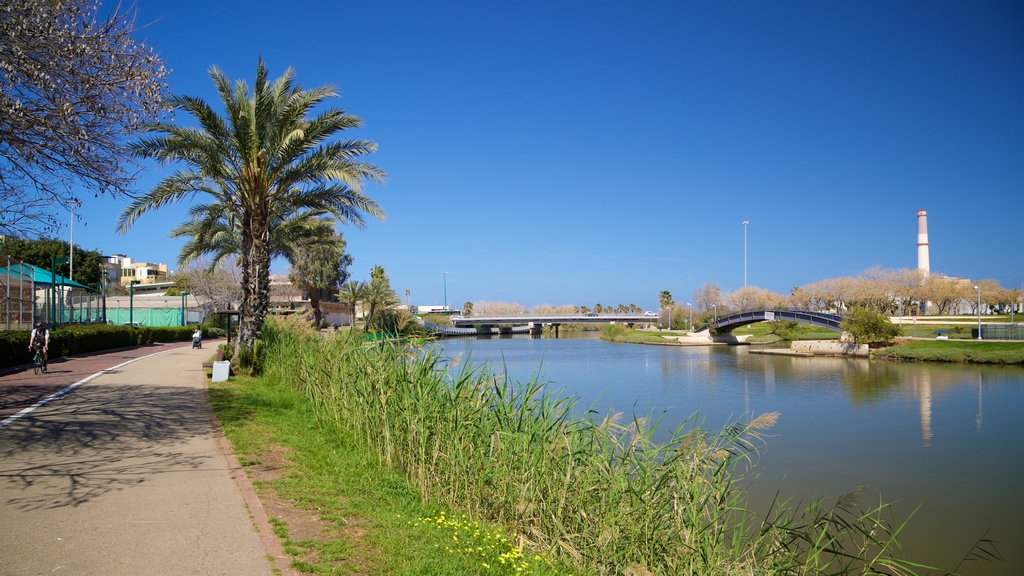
(922, 242)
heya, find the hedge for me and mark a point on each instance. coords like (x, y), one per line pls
(78, 339)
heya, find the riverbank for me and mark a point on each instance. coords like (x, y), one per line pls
(594, 495)
(905, 349)
(956, 351)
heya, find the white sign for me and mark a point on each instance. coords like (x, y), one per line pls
(769, 316)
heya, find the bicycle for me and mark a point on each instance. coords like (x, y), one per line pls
(38, 362)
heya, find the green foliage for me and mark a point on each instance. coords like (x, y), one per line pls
(79, 339)
(269, 157)
(868, 326)
(334, 476)
(41, 252)
(664, 299)
(622, 334)
(614, 331)
(251, 361)
(954, 351)
(598, 493)
(784, 329)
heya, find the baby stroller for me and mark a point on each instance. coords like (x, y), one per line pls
(197, 340)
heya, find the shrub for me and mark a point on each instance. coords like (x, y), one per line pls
(869, 326)
(82, 338)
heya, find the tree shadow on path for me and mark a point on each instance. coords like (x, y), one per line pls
(101, 439)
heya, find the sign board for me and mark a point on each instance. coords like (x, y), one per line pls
(769, 316)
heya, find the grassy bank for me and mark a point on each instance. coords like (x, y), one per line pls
(955, 351)
(382, 437)
(337, 508)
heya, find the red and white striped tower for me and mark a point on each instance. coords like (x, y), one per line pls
(922, 242)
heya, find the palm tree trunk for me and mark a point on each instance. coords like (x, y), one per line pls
(314, 303)
(255, 282)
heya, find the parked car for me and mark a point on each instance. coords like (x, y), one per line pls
(649, 313)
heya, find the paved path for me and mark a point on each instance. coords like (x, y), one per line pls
(124, 476)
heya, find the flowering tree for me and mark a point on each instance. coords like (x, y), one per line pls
(73, 85)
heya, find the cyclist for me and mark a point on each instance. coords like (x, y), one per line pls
(40, 338)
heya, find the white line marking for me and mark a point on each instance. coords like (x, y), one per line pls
(44, 401)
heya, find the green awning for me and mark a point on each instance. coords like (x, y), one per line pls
(40, 276)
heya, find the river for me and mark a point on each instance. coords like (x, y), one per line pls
(945, 437)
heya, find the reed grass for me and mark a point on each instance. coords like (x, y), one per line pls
(588, 489)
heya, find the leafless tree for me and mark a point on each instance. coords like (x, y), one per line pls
(486, 308)
(754, 298)
(73, 85)
(707, 295)
(215, 289)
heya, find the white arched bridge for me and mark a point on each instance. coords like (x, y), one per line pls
(729, 323)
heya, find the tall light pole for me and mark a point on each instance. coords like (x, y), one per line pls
(184, 298)
(978, 289)
(445, 276)
(715, 307)
(71, 245)
(745, 222)
(689, 323)
(131, 302)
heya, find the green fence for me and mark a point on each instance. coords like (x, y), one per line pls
(153, 316)
(1000, 332)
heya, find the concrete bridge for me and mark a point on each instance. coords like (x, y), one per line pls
(727, 324)
(521, 319)
(531, 323)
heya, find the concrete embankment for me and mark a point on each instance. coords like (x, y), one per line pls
(818, 348)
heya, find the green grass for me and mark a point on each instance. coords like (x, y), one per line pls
(335, 477)
(384, 436)
(955, 351)
(761, 332)
(624, 334)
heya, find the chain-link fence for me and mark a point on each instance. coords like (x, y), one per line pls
(17, 294)
(1000, 332)
(28, 295)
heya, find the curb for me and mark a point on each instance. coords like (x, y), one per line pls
(271, 543)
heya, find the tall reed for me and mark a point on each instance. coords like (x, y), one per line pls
(594, 490)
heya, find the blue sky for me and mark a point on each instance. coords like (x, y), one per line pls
(581, 152)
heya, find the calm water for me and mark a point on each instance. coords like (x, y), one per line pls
(948, 438)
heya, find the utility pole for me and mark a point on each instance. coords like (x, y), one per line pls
(745, 222)
(445, 276)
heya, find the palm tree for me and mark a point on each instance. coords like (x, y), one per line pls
(352, 293)
(211, 232)
(265, 160)
(379, 297)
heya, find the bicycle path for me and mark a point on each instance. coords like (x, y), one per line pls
(125, 476)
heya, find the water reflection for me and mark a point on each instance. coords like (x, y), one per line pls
(918, 434)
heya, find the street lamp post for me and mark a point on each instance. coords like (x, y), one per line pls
(978, 289)
(669, 315)
(445, 276)
(184, 296)
(745, 222)
(689, 323)
(131, 302)
(715, 307)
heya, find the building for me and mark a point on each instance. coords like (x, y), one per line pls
(123, 270)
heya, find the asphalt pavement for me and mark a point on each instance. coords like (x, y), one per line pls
(125, 474)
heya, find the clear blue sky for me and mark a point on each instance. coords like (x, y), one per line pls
(581, 152)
